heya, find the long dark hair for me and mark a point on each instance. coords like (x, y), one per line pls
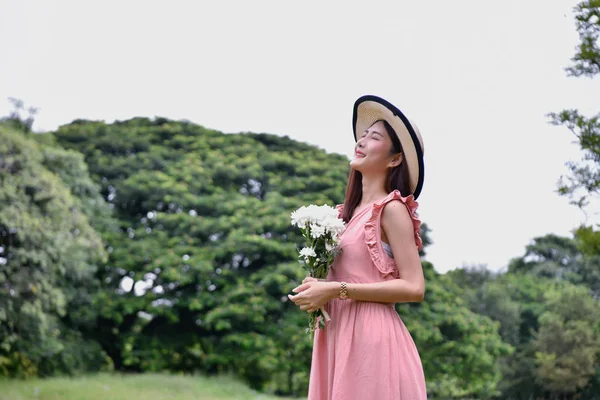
(397, 178)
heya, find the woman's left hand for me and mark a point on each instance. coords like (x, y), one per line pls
(313, 295)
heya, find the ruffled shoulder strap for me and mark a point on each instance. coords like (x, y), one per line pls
(382, 261)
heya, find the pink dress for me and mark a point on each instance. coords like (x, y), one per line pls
(365, 351)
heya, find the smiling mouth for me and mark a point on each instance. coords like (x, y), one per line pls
(357, 154)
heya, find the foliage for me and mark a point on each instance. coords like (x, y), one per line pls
(15, 119)
(551, 322)
(587, 58)
(585, 176)
(48, 257)
(573, 260)
(207, 242)
(567, 344)
(191, 254)
(459, 349)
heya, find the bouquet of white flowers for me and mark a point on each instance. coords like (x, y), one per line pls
(321, 228)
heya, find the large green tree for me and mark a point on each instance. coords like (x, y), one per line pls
(201, 214)
(49, 252)
(197, 277)
(178, 255)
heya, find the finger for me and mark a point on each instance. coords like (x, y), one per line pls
(297, 299)
(301, 288)
(309, 279)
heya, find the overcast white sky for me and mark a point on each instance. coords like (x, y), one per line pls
(478, 77)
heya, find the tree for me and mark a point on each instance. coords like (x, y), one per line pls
(583, 181)
(575, 260)
(49, 252)
(459, 348)
(567, 344)
(587, 58)
(550, 322)
(203, 218)
(16, 120)
(198, 273)
(585, 177)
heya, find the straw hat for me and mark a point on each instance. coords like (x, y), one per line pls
(368, 109)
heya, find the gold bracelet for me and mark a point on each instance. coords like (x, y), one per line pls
(343, 291)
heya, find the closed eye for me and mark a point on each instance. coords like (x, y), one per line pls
(373, 133)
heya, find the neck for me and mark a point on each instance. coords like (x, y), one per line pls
(373, 188)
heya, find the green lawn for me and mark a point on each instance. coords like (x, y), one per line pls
(129, 387)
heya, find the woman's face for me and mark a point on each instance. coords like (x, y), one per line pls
(373, 150)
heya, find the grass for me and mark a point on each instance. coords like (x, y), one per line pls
(129, 387)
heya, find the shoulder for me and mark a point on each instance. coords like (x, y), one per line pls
(394, 212)
(399, 217)
(396, 207)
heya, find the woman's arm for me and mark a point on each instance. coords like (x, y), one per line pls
(392, 291)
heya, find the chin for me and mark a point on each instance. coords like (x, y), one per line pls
(355, 165)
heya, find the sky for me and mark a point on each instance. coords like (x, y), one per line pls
(477, 77)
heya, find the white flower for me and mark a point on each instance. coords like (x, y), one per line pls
(329, 247)
(316, 230)
(300, 217)
(307, 252)
(334, 225)
(325, 216)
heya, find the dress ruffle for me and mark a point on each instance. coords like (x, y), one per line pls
(382, 261)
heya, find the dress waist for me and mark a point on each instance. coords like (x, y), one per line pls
(350, 302)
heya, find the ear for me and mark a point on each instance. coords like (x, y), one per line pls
(397, 160)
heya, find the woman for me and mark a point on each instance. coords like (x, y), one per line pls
(365, 351)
